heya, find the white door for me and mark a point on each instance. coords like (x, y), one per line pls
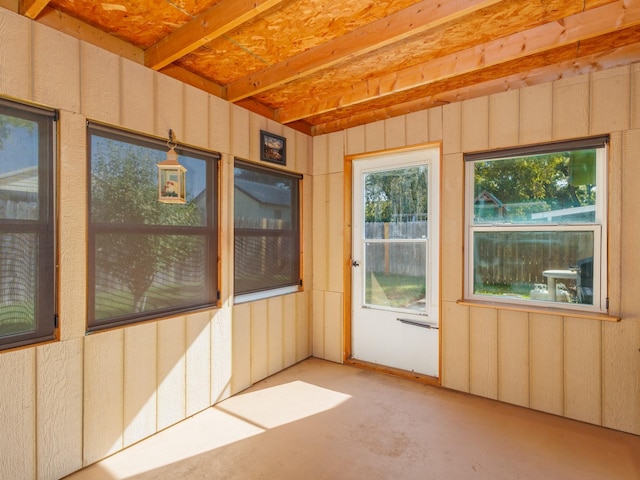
(395, 261)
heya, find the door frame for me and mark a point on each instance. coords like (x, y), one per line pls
(347, 259)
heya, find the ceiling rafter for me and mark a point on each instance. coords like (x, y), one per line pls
(581, 26)
(32, 8)
(209, 25)
(415, 19)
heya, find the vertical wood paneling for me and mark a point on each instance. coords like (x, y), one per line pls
(610, 97)
(513, 357)
(275, 335)
(221, 355)
(455, 346)
(308, 225)
(395, 132)
(56, 68)
(196, 117)
(259, 341)
(72, 215)
(417, 127)
(536, 113)
(257, 123)
(219, 124)
(582, 370)
(355, 140)
(614, 216)
(304, 320)
(374, 136)
(475, 124)
(451, 128)
(635, 96)
(290, 328)
(483, 352)
(59, 414)
(241, 347)
(137, 108)
(452, 222)
(198, 362)
(321, 213)
(318, 309)
(302, 157)
(547, 363)
(571, 107)
(226, 220)
(170, 106)
(240, 132)
(630, 227)
(333, 322)
(333, 256)
(15, 31)
(336, 152)
(171, 372)
(435, 124)
(18, 414)
(103, 395)
(100, 84)
(320, 155)
(140, 376)
(504, 121)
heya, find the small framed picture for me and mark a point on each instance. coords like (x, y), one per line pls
(273, 148)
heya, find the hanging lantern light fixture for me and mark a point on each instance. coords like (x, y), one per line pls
(172, 185)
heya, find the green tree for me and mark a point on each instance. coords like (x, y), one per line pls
(392, 194)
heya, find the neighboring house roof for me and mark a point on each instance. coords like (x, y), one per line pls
(25, 180)
(485, 196)
(265, 194)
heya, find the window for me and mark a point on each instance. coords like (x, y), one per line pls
(27, 247)
(147, 258)
(267, 232)
(536, 225)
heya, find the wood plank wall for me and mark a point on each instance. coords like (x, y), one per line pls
(70, 403)
(580, 368)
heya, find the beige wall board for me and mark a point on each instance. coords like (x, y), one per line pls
(454, 332)
(226, 238)
(221, 354)
(571, 107)
(241, 347)
(582, 370)
(196, 117)
(259, 341)
(290, 328)
(138, 110)
(452, 224)
(72, 224)
(103, 395)
(513, 357)
(99, 84)
(56, 69)
(483, 352)
(536, 113)
(171, 372)
(275, 333)
(621, 375)
(355, 140)
(630, 224)
(333, 327)
(304, 320)
(198, 362)
(320, 155)
(475, 124)
(610, 100)
(417, 127)
(302, 153)
(334, 255)
(318, 316)
(635, 96)
(257, 123)
(547, 363)
(504, 119)
(240, 132)
(59, 408)
(336, 152)
(18, 414)
(307, 231)
(374, 136)
(219, 124)
(169, 106)
(395, 132)
(321, 221)
(15, 30)
(140, 377)
(614, 216)
(435, 124)
(452, 128)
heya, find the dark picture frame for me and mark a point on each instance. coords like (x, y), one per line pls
(273, 148)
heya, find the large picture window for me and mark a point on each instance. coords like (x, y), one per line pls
(267, 232)
(148, 258)
(536, 225)
(27, 247)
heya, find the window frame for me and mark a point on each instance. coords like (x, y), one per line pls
(210, 230)
(598, 227)
(294, 233)
(45, 308)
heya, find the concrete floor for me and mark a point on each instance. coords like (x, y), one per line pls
(320, 420)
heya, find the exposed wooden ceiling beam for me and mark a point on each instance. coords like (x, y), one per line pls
(582, 26)
(418, 18)
(215, 22)
(32, 8)
(194, 80)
